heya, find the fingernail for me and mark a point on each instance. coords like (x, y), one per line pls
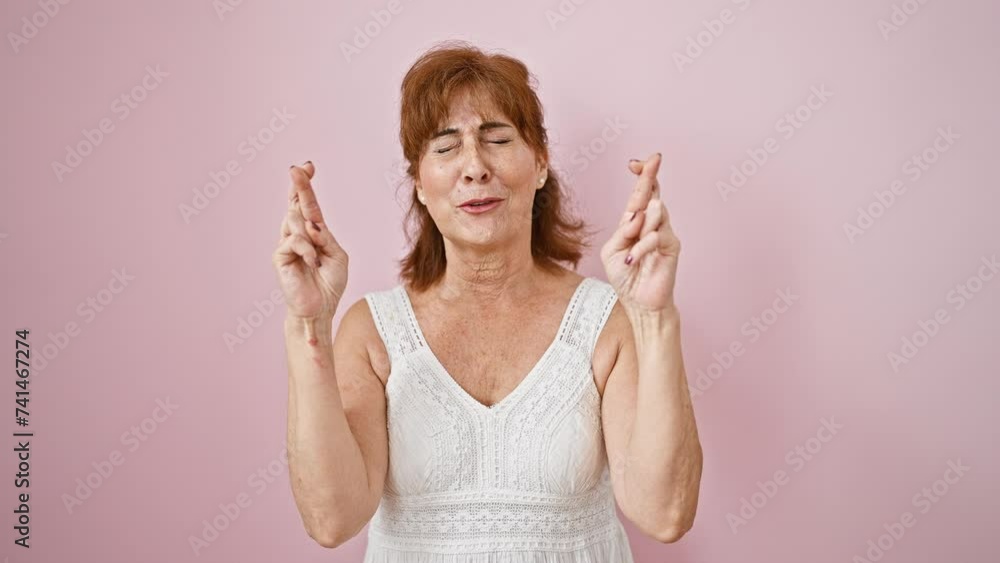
(633, 160)
(314, 225)
(659, 155)
(634, 213)
(628, 259)
(292, 166)
(308, 162)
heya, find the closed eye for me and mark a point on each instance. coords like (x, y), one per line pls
(500, 142)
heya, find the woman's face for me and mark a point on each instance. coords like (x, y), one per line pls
(473, 158)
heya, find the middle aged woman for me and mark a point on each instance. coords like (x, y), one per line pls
(495, 405)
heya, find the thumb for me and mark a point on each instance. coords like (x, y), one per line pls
(635, 166)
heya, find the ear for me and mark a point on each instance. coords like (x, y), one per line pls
(543, 166)
(542, 171)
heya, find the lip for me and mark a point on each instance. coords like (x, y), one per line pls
(475, 210)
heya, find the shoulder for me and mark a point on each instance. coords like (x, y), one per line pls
(358, 331)
(614, 336)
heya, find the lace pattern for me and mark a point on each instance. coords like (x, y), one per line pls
(527, 475)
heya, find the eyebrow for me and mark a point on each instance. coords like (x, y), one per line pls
(486, 126)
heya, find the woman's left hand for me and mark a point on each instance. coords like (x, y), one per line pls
(640, 259)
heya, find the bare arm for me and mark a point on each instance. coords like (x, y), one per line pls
(649, 423)
(650, 431)
(337, 436)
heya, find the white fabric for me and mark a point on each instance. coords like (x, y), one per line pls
(523, 481)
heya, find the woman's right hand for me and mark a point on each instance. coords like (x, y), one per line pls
(311, 265)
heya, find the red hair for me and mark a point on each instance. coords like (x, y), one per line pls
(446, 70)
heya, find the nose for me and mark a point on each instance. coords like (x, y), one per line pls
(474, 167)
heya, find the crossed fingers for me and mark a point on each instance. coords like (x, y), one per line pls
(305, 218)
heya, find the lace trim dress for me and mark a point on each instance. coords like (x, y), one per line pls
(522, 481)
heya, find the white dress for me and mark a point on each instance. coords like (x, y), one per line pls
(523, 481)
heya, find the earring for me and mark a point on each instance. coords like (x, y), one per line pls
(541, 181)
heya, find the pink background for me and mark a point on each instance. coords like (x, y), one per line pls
(826, 356)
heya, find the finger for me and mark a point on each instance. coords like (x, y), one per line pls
(307, 197)
(626, 234)
(324, 240)
(662, 240)
(655, 212)
(635, 167)
(293, 248)
(642, 192)
(294, 223)
(655, 192)
(293, 194)
(641, 248)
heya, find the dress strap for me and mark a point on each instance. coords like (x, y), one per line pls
(592, 307)
(393, 322)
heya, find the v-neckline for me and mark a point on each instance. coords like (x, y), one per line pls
(525, 381)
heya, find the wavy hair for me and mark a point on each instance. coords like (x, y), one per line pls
(451, 68)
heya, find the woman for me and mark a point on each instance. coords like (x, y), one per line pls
(496, 405)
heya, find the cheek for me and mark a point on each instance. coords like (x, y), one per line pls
(437, 179)
(517, 176)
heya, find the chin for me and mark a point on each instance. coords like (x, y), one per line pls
(484, 238)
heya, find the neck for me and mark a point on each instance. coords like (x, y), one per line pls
(500, 273)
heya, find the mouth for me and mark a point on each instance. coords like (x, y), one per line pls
(480, 205)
